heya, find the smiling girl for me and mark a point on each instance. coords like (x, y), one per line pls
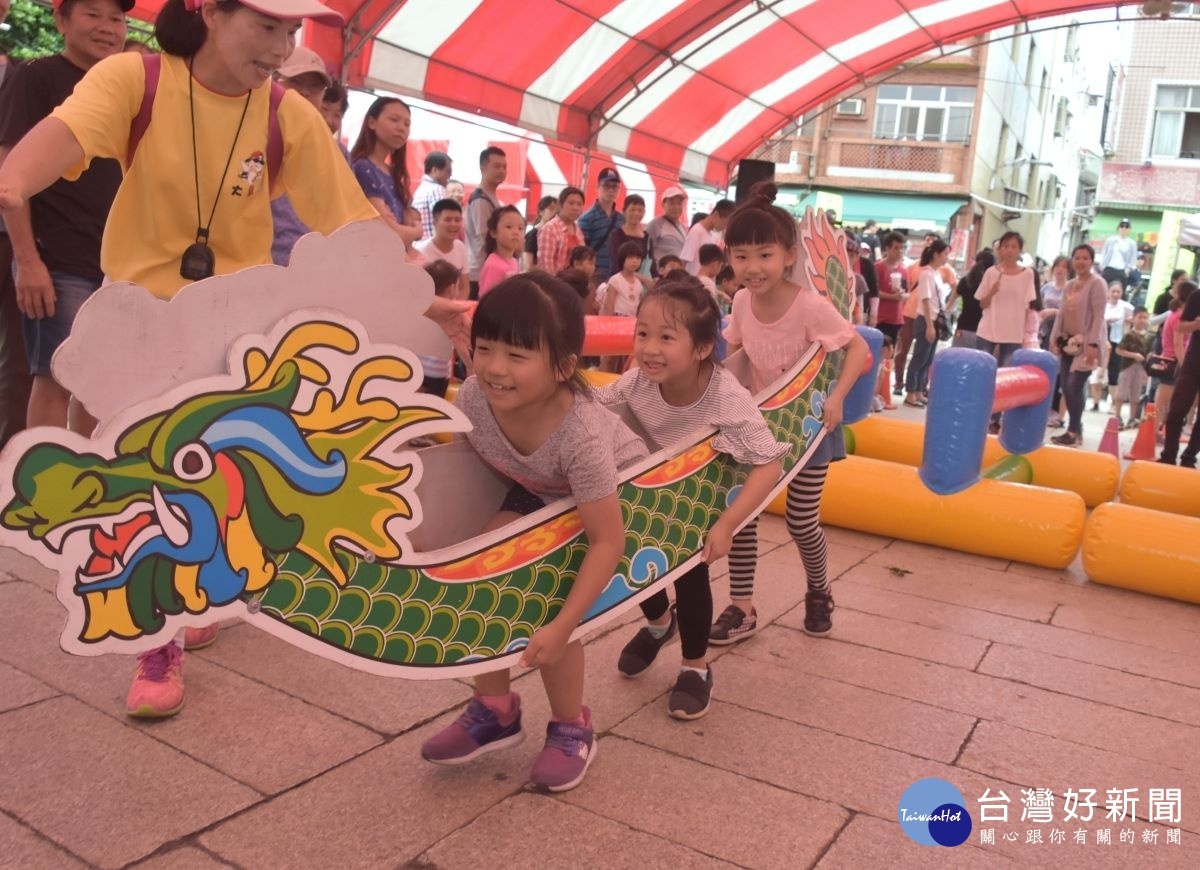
(676, 390)
(534, 421)
(776, 321)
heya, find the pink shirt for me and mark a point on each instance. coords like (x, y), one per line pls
(496, 269)
(1168, 333)
(773, 348)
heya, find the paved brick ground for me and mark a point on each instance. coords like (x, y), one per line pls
(989, 674)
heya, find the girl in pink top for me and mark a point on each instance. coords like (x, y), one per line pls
(505, 240)
(775, 321)
(1171, 350)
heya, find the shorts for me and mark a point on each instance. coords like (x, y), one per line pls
(44, 335)
(891, 330)
(1131, 382)
(521, 501)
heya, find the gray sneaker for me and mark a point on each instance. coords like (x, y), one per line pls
(564, 760)
(643, 648)
(732, 625)
(691, 695)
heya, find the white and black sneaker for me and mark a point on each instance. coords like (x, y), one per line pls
(732, 625)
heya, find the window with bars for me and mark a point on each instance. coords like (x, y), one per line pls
(1176, 128)
(924, 113)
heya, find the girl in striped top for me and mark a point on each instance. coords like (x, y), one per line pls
(675, 391)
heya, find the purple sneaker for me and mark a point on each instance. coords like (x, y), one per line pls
(564, 760)
(476, 732)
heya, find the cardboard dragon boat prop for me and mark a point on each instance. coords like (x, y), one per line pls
(254, 462)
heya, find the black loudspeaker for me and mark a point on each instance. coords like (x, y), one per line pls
(750, 173)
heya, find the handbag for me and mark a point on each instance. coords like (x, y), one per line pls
(1161, 367)
(941, 326)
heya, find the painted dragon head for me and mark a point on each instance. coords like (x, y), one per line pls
(197, 502)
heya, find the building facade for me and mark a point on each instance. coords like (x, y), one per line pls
(1151, 170)
(969, 142)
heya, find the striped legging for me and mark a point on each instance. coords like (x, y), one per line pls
(803, 524)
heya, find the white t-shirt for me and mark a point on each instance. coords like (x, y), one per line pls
(697, 236)
(1003, 320)
(456, 257)
(628, 294)
(1115, 315)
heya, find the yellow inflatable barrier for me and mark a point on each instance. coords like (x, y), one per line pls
(1162, 488)
(992, 518)
(1094, 476)
(1143, 550)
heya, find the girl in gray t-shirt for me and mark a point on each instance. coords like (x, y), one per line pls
(535, 422)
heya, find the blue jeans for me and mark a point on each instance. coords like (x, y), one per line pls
(44, 335)
(917, 379)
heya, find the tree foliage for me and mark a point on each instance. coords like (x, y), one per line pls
(31, 31)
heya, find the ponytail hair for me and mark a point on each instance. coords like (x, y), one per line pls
(181, 31)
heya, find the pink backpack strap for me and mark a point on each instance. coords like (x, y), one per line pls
(274, 134)
(153, 66)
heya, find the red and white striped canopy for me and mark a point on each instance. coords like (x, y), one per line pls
(686, 86)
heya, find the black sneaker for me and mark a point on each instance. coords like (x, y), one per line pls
(691, 695)
(732, 625)
(641, 651)
(817, 609)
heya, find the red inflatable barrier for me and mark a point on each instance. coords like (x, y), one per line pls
(608, 336)
(1019, 386)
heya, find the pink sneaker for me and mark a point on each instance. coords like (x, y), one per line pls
(199, 638)
(564, 760)
(157, 688)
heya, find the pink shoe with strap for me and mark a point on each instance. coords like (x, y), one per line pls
(157, 688)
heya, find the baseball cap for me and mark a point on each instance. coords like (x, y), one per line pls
(608, 174)
(673, 191)
(1124, 223)
(126, 5)
(286, 10)
(304, 60)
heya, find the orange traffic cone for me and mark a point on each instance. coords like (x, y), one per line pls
(1108, 441)
(1144, 445)
(883, 384)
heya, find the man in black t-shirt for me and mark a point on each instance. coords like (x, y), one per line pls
(56, 235)
(1187, 386)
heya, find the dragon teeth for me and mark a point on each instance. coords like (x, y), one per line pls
(172, 527)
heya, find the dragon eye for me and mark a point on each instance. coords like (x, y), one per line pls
(192, 462)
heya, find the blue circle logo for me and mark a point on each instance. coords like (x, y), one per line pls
(934, 813)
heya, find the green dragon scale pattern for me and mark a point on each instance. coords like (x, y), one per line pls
(401, 615)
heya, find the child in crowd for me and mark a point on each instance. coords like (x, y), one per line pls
(446, 284)
(668, 264)
(632, 231)
(1135, 346)
(504, 243)
(622, 293)
(578, 281)
(776, 321)
(583, 258)
(412, 220)
(676, 390)
(883, 395)
(445, 243)
(533, 420)
(712, 261)
(727, 283)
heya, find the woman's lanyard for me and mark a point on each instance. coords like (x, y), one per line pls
(198, 260)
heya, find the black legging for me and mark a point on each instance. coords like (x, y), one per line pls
(693, 610)
(1074, 388)
(1187, 384)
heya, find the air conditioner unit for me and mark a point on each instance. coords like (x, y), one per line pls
(856, 107)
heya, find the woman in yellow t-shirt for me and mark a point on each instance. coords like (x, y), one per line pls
(195, 199)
